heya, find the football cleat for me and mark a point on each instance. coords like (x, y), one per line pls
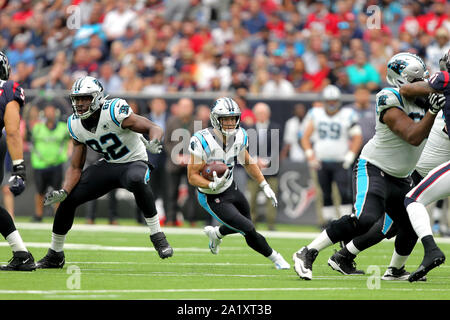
(161, 245)
(431, 260)
(52, 260)
(214, 240)
(280, 263)
(401, 274)
(20, 261)
(303, 260)
(343, 264)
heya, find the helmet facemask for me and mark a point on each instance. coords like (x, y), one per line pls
(226, 131)
(93, 105)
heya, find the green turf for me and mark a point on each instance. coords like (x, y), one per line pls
(194, 273)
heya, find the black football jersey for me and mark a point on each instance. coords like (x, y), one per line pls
(440, 81)
(9, 91)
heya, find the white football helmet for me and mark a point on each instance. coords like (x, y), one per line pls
(331, 95)
(87, 86)
(225, 107)
(404, 68)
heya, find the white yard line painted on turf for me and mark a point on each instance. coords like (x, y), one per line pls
(180, 231)
(49, 292)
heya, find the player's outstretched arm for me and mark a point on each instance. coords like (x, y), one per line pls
(420, 88)
(15, 148)
(73, 175)
(143, 125)
(403, 126)
(255, 173)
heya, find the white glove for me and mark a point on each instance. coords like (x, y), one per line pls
(55, 196)
(154, 146)
(437, 102)
(219, 182)
(269, 192)
(312, 160)
(349, 158)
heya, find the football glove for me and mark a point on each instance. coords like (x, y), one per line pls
(269, 192)
(55, 196)
(219, 182)
(154, 146)
(17, 180)
(437, 102)
(348, 159)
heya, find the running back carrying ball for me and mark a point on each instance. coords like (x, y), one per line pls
(217, 166)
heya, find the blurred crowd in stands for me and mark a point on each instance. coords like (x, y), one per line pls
(267, 47)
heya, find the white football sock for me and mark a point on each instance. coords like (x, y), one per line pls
(273, 256)
(328, 213)
(218, 234)
(345, 209)
(397, 260)
(153, 224)
(352, 249)
(420, 220)
(57, 242)
(321, 242)
(15, 241)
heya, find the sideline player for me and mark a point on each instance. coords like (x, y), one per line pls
(12, 98)
(338, 140)
(226, 141)
(436, 185)
(381, 176)
(110, 127)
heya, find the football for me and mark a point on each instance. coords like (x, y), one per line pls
(217, 166)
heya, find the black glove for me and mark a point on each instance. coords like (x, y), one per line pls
(17, 180)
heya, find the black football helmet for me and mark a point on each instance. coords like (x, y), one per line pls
(5, 68)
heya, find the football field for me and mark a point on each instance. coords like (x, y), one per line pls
(119, 262)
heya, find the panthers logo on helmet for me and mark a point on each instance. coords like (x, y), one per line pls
(397, 66)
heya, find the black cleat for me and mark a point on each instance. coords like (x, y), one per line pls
(431, 260)
(401, 274)
(21, 261)
(303, 260)
(52, 260)
(343, 264)
(161, 245)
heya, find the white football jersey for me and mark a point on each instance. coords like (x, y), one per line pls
(206, 146)
(386, 150)
(437, 148)
(118, 145)
(331, 133)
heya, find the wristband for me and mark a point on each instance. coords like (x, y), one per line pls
(263, 184)
(309, 153)
(16, 162)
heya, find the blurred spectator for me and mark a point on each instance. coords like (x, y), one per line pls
(117, 20)
(109, 79)
(131, 82)
(93, 27)
(176, 164)
(179, 10)
(365, 110)
(83, 64)
(202, 116)
(363, 73)
(22, 53)
(278, 85)
(21, 75)
(49, 153)
(248, 119)
(56, 79)
(266, 151)
(437, 49)
(222, 33)
(292, 149)
(254, 20)
(317, 81)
